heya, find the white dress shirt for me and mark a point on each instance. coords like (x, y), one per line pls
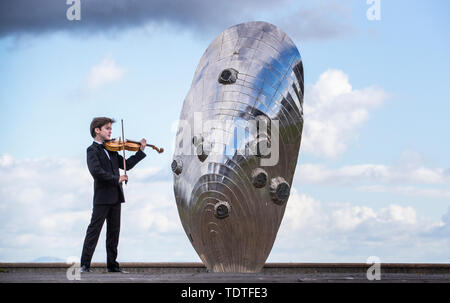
(103, 149)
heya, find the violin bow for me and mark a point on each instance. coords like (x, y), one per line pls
(124, 160)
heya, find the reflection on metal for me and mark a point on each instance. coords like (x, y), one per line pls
(279, 190)
(222, 209)
(202, 152)
(259, 177)
(196, 140)
(177, 166)
(231, 203)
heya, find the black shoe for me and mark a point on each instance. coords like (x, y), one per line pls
(117, 269)
(84, 268)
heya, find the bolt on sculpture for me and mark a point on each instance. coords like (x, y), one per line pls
(237, 145)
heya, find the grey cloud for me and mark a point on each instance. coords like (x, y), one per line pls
(31, 16)
(322, 21)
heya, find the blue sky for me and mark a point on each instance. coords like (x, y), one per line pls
(391, 175)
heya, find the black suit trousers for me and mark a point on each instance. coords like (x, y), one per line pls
(100, 212)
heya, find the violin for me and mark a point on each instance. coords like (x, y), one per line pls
(118, 145)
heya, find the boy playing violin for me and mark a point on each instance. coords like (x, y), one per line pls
(108, 193)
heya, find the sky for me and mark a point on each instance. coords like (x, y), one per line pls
(373, 173)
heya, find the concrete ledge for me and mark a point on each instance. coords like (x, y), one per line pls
(196, 273)
(269, 268)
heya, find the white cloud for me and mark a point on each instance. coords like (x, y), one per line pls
(104, 73)
(333, 110)
(446, 217)
(62, 221)
(152, 207)
(306, 214)
(348, 218)
(6, 160)
(407, 190)
(313, 231)
(396, 213)
(409, 176)
(351, 174)
(301, 212)
(46, 206)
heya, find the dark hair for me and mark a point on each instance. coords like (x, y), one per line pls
(98, 122)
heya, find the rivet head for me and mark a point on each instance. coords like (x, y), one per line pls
(259, 177)
(279, 190)
(177, 166)
(222, 209)
(228, 76)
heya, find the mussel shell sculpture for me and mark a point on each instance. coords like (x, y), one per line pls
(231, 191)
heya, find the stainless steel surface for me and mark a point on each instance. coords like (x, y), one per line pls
(237, 145)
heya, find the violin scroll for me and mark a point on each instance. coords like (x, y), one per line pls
(159, 150)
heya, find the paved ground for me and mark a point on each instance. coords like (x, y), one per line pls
(61, 277)
(196, 273)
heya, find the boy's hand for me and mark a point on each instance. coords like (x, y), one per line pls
(123, 178)
(143, 143)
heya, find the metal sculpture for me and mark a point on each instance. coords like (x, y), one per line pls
(237, 145)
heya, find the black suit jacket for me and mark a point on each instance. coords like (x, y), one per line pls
(105, 172)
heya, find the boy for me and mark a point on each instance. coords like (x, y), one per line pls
(108, 193)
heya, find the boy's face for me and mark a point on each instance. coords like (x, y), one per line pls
(105, 132)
